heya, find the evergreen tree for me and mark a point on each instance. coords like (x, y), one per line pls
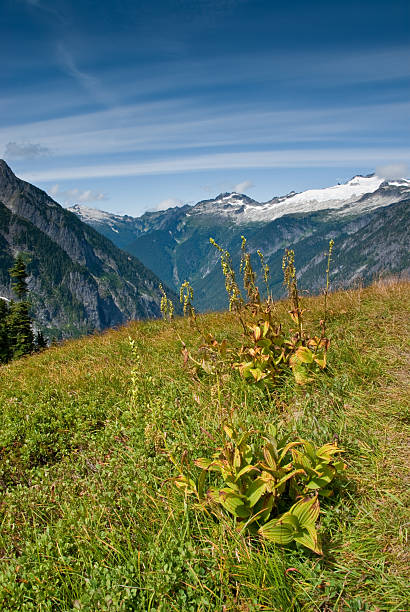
(4, 332)
(19, 275)
(41, 342)
(20, 333)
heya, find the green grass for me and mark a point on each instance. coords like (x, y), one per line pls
(91, 520)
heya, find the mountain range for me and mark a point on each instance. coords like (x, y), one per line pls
(367, 217)
(79, 281)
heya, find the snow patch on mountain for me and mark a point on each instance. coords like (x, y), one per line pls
(361, 193)
(88, 214)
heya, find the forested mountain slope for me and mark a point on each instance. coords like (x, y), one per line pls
(79, 280)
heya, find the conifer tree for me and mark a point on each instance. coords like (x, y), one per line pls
(20, 333)
(4, 333)
(19, 275)
(41, 342)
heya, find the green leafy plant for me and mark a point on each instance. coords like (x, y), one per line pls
(167, 306)
(261, 477)
(267, 352)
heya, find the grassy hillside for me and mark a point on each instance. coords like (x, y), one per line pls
(90, 516)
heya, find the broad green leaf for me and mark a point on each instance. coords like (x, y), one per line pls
(339, 466)
(201, 485)
(237, 458)
(288, 477)
(276, 532)
(203, 463)
(326, 476)
(243, 438)
(232, 485)
(325, 492)
(255, 491)
(185, 483)
(304, 354)
(288, 519)
(234, 504)
(257, 374)
(246, 470)
(309, 450)
(300, 374)
(229, 431)
(321, 361)
(264, 507)
(264, 343)
(301, 460)
(287, 448)
(327, 451)
(306, 511)
(309, 538)
(244, 368)
(269, 458)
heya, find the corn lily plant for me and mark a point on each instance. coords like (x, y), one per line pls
(259, 479)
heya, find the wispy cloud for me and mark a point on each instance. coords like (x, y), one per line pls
(24, 150)
(87, 81)
(42, 5)
(182, 124)
(72, 196)
(291, 158)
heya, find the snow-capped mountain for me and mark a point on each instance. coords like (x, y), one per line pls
(174, 243)
(360, 194)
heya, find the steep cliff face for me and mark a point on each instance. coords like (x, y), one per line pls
(79, 280)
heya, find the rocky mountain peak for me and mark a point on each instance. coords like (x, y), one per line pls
(7, 175)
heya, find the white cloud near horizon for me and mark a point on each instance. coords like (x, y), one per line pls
(393, 171)
(242, 187)
(167, 203)
(75, 196)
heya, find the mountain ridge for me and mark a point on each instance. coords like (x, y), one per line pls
(175, 243)
(95, 284)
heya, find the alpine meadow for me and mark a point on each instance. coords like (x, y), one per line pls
(204, 306)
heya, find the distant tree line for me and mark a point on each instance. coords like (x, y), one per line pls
(16, 326)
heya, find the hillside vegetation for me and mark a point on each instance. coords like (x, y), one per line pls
(91, 518)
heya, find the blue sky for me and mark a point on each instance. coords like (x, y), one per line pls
(131, 105)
